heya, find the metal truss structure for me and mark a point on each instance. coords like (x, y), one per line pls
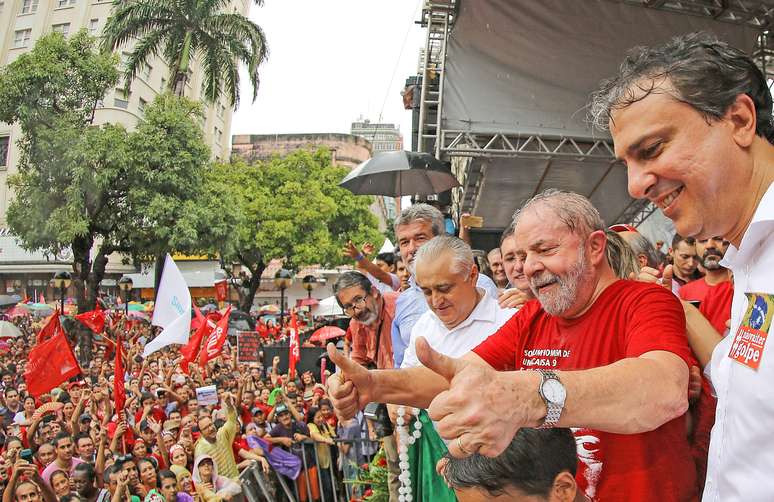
(438, 18)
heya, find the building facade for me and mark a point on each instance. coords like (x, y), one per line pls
(346, 150)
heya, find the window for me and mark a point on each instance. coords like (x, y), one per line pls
(4, 141)
(146, 71)
(221, 110)
(63, 28)
(163, 86)
(124, 60)
(121, 100)
(21, 38)
(141, 105)
(218, 136)
(29, 6)
(93, 27)
(65, 3)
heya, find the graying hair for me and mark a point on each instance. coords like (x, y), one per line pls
(698, 70)
(349, 279)
(421, 212)
(620, 256)
(572, 209)
(462, 255)
(642, 246)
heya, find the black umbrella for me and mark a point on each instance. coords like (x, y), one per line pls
(8, 301)
(400, 173)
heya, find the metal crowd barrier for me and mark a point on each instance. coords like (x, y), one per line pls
(340, 490)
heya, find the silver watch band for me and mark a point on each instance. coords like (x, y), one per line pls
(553, 410)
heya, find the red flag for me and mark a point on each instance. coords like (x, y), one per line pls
(119, 390)
(42, 298)
(198, 319)
(93, 319)
(26, 298)
(215, 340)
(190, 351)
(221, 290)
(295, 348)
(52, 328)
(50, 363)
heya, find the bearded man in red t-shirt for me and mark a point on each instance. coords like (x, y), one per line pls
(607, 357)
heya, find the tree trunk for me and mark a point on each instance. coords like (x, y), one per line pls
(81, 271)
(255, 283)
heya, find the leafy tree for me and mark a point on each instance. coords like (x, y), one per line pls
(291, 208)
(100, 190)
(184, 29)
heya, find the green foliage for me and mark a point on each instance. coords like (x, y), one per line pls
(59, 80)
(187, 29)
(290, 207)
(374, 476)
(102, 189)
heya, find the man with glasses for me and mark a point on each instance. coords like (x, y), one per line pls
(370, 342)
(372, 313)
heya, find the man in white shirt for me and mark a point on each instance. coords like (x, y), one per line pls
(692, 120)
(461, 315)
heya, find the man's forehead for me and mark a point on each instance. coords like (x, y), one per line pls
(347, 294)
(413, 227)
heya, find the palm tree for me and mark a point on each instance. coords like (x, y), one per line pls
(184, 29)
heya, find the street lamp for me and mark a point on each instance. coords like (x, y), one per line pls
(309, 282)
(62, 281)
(283, 279)
(125, 284)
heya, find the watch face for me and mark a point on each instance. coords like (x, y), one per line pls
(554, 391)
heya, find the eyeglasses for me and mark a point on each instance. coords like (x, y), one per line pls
(357, 303)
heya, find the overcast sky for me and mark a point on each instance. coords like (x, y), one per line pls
(330, 63)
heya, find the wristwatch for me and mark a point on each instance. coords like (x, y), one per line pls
(553, 393)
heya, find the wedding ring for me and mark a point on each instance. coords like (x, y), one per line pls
(462, 448)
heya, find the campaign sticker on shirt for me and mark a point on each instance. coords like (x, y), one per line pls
(751, 336)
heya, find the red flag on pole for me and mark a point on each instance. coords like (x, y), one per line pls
(215, 340)
(190, 351)
(93, 319)
(50, 363)
(52, 328)
(198, 319)
(295, 347)
(119, 389)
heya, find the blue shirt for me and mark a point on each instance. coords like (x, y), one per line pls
(410, 306)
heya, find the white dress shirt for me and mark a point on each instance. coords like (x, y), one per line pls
(741, 455)
(483, 321)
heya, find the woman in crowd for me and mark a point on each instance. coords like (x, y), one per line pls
(60, 483)
(210, 486)
(184, 481)
(148, 476)
(323, 435)
(24, 417)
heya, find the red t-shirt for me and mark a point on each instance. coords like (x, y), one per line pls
(716, 306)
(627, 320)
(695, 290)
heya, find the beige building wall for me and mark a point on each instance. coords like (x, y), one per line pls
(23, 22)
(346, 150)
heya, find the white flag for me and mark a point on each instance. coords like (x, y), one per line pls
(172, 310)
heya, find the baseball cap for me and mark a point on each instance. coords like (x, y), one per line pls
(85, 417)
(257, 410)
(280, 408)
(171, 425)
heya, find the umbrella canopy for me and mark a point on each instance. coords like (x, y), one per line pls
(400, 173)
(326, 333)
(9, 330)
(327, 307)
(8, 301)
(269, 309)
(18, 311)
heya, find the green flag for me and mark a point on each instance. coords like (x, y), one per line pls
(426, 484)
